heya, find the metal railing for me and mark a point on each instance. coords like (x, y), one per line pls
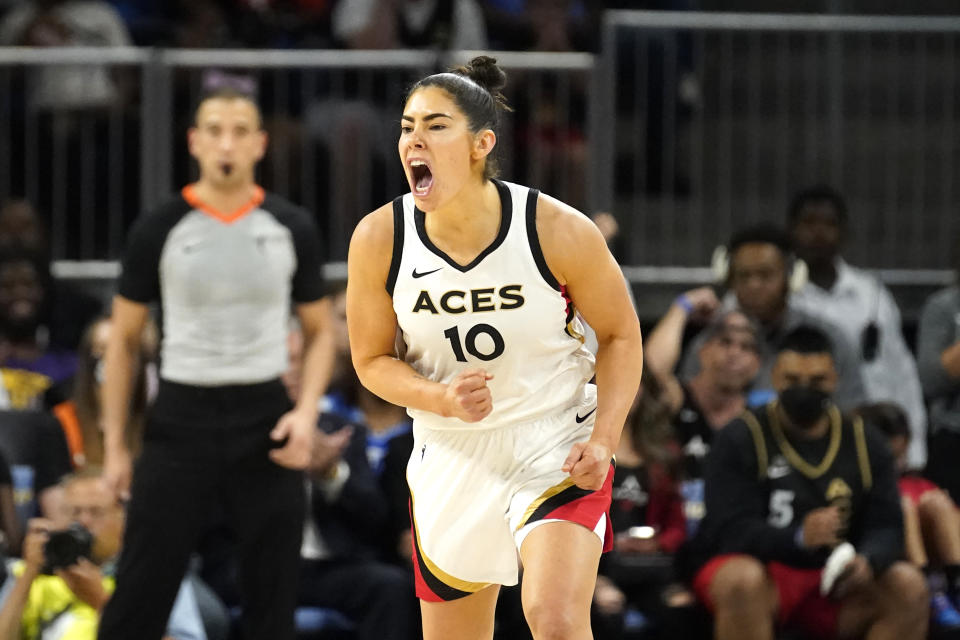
(332, 117)
(705, 122)
(70, 143)
(686, 126)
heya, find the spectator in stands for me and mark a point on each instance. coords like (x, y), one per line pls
(646, 512)
(544, 25)
(760, 277)
(931, 522)
(53, 599)
(80, 416)
(388, 451)
(729, 361)
(389, 434)
(281, 24)
(786, 485)
(389, 438)
(22, 231)
(859, 305)
(33, 444)
(11, 533)
(416, 24)
(68, 23)
(344, 528)
(76, 111)
(150, 22)
(550, 120)
(34, 373)
(21, 228)
(938, 361)
(356, 125)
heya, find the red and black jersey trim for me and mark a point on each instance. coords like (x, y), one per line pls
(397, 245)
(571, 315)
(532, 197)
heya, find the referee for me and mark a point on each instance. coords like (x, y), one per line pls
(224, 260)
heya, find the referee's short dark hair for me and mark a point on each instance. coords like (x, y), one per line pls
(229, 88)
(806, 340)
(817, 193)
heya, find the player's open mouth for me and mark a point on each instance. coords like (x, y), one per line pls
(226, 167)
(422, 177)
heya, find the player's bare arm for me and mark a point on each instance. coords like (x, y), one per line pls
(372, 325)
(578, 257)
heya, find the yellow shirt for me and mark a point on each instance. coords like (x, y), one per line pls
(53, 611)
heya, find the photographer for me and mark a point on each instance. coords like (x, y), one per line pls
(65, 578)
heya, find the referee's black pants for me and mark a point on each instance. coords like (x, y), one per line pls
(205, 451)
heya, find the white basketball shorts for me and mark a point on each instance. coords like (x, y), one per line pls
(476, 494)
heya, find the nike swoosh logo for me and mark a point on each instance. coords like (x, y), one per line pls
(424, 273)
(582, 418)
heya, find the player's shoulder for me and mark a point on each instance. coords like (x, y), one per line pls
(565, 227)
(375, 231)
(556, 213)
(566, 235)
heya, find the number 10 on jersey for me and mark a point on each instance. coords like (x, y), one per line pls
(470, 342)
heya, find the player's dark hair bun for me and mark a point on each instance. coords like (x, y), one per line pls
(484, 71)
(475, 87)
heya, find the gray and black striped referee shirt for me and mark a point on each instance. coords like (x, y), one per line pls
(224, 283)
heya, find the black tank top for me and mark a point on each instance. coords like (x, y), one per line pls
(801, 476)
(693, 433)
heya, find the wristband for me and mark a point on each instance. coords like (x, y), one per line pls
(684, 303)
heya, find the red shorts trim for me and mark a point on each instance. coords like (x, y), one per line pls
(800, 605)
(581, 506)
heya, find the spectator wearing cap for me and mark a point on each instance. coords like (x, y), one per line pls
(859, 305)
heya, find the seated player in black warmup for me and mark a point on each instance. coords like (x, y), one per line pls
(787, 485)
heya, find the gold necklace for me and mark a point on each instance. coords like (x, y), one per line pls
(795, 459)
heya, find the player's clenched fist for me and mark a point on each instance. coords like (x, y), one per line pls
(468, 397)
(588, 464)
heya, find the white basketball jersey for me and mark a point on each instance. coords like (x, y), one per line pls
(504, 312)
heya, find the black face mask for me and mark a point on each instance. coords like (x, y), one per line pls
(804, 405)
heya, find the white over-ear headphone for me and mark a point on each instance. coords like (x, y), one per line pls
(798, 275)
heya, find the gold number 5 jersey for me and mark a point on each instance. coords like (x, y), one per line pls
(504, 312)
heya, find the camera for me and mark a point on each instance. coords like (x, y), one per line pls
(65, 547)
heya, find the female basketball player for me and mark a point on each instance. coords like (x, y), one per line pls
(513, 446)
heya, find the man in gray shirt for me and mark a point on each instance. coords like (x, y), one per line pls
(758, 280)
(226, 261)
